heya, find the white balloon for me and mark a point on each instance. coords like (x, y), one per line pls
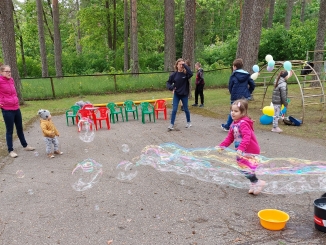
(268, 57)
(254, 76)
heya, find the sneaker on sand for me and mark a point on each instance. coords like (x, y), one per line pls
(252, 188)
(224, 128)
(58, 152)
(50, 155)
(195, 104)
(188, 125)
(171, 127)
(29, 148)
(277, 130)
(202, 105)
(182, 108)
(259, 186)
(13, 154)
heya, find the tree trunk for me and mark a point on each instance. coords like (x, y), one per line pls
(288, 14)
(41, 37)
(303, 7)
(188, 48)
(134, 37)
(78, 44)
(250, 32)
(169, 35)
(126, 35)
(57, 39)
(7, 36)
(271, 14)
(108, 24)
(320, 40)
(114, 44)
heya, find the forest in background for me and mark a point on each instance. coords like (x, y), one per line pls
(93, 34)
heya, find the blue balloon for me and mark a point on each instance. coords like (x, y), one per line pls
(255, 68)
(271, 63)
(287, 65)
(265, 120)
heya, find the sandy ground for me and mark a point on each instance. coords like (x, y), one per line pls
(38, 204)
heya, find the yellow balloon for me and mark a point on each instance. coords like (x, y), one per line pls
(268, 110)
(282, 107)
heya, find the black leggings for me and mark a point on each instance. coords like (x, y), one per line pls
(199, 91)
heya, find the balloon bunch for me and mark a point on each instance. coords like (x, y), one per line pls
(254, 76)
(270, 62)
(268, 111)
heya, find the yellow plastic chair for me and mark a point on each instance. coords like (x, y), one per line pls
(130, 106)
(147, 109)
(72, 113)
(114, 110)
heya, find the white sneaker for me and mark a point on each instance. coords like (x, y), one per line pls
(13, 154)
(259, 186)
(188, 125)
(277, 130)
(29, 148)
(171, 127)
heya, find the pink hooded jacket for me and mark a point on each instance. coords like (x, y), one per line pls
(8, 94)
(242, 134)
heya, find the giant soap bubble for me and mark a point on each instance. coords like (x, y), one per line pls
(86, 129)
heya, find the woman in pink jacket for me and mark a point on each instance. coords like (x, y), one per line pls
(9, 105)
(242, 134)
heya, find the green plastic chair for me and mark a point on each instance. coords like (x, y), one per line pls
(114, 110)
(147, 109)
(72, 113)
(130, 106)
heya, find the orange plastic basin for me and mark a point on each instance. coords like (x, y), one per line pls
(273, 219)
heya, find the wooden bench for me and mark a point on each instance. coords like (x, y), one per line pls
(137, 102)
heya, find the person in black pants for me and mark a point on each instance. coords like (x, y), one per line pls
(200, 83)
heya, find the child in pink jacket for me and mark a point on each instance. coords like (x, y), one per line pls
(242, 134)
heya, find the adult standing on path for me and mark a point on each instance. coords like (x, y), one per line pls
(9, 105)
(179, 83)
(241, 86)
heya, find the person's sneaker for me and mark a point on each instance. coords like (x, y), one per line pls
(224, 128)
(182, 108)
(252, 188)
(277, 130)
(202, 105)
(29, 148)
(188, 125)
(171, 127)
(13, 154)
(58, 152)
(259, 186)
(195, 104)
(50, 155)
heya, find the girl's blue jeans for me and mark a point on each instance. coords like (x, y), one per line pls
(11, 118)
(176, 99)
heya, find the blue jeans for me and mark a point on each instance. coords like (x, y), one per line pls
(229, 121)
(12, 118)
(176, 99)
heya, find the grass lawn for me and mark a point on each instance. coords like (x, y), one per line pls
(217, 105)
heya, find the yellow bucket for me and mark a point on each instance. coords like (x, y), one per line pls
(273, 219)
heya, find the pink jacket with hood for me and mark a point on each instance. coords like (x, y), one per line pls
(8, 95)
(242, 134)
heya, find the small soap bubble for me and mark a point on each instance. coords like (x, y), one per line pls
(97, 208)
(182, 182)
(86, 129)
(125, 148)
(20, 174)
(86, 174)
(30, 192)
(126, 171)
(36, 153)
(129, 192)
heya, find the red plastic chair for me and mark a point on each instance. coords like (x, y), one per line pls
(160, 105)
(103, 114)
(86, 113)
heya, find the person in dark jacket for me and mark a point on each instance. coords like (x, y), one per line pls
(241, 86)
(179, 83)
(200, 83)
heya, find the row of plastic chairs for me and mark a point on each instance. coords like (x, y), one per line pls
(112, 111)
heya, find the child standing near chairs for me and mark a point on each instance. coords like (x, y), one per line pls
(50, 133)
(279, 97)
(242, 134)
